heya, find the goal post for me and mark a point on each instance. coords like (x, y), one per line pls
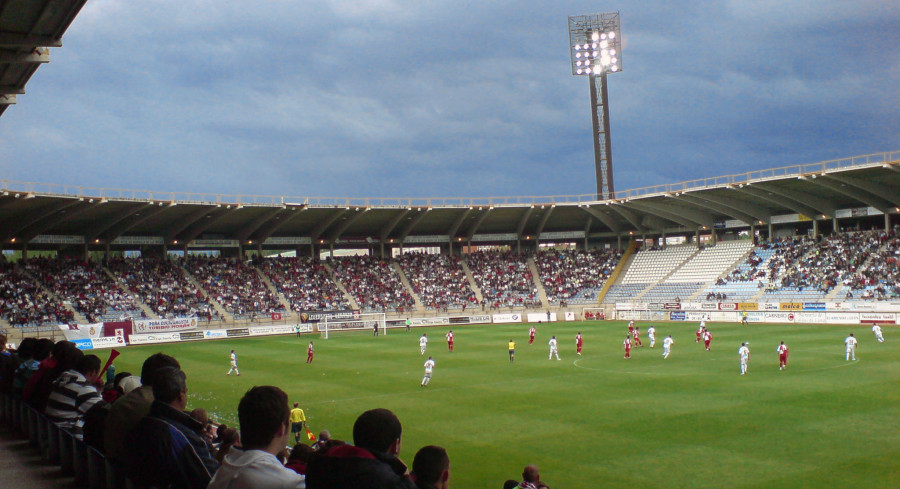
(359, 323)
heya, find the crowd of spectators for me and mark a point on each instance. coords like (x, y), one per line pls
(24, 303)
(567, 274)
(235, 285)
(160, 284)
(83, 284)
(439, 280)
(879, 277)
(373, 283)
(305, 283)
(147, 430)
(504, 279)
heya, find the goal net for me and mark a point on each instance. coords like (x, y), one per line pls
(360, 323)
(593, 314)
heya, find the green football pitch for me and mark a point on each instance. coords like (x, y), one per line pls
(596, 420)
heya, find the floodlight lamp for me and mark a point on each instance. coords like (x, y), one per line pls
(603, 36)
(597, 70)
(612, 35)
(612, 52)
(594, 45)
(578, 71)
(595, 36)
(577, 47)
(595, 53)
(614, 69)
(604, 44)
(577, 55)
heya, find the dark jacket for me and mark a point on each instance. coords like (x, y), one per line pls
(349, 467)
(165, 449)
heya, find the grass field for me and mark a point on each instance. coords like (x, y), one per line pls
(597, 420)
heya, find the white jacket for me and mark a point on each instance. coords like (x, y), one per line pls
(255, 469)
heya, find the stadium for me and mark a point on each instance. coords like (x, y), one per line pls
(801, 254)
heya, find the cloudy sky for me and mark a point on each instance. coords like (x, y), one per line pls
(434, 98)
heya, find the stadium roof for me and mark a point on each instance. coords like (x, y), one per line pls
(56, 215)
(27, 30)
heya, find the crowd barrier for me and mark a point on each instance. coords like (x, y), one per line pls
(86, 465)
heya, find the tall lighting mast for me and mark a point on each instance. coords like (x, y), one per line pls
(595, 44)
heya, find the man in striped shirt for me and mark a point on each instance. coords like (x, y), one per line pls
(74, 394)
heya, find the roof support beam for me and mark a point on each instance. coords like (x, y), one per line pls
(806, 199)
(540, 228)
(14, 40)
(629, 216)
(722, 206)
(152, 209)
(472, 230)
(348, 221)
(39, 55)
(389, 227)
(451, 233)
(243, 234)
(883, 193)
(412, 224)
(602, 217)
(274, 224)
(776, 198)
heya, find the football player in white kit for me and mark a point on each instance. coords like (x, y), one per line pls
(553, 349)
(744, 353)
(850, 344)
(651, 333)
(667, 346)
(429, 366)
(876, 329)
(423, 343)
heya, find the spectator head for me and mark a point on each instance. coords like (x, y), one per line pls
(42, 349)
(301, 453)
(510, 484)
(432, 466)
(60, 347)
(170, 387)
(128, 384)
(3, 339)
(155, 362)
(26, 348)
(296, 404)
(89, 366)
(69, 357)
(531, 474)
(378, 430)
(324, 436)
(200, 415)
(264, 416)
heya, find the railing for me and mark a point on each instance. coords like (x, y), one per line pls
(49, 189)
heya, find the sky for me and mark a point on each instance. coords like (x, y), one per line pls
(375, 98)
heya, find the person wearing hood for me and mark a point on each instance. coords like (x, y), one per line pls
(264, 416)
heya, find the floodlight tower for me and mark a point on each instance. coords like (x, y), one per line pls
(595, 44)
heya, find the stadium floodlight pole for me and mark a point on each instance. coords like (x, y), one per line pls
(595, 45)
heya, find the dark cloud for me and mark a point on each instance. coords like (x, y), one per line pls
(418, 99)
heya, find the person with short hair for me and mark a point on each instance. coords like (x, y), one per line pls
(512, 350)
(166, 448)
(423, 343)
(234, 366)
(707, 338)
(74, 394)
(850, 347)
(429, 366)
(370, 463)
(127, 411)
(876, 330)
(667, 346)
(450, 341)
(310, 351)
(531, 333)
(554, 349)
(636, 337)
(651, 333)
(626, 345)
(531, 478)
(782, 351)
(324, 437)
(431, 468)
(744, 354)
(264, 416)
(579, 343)
(298, 420)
